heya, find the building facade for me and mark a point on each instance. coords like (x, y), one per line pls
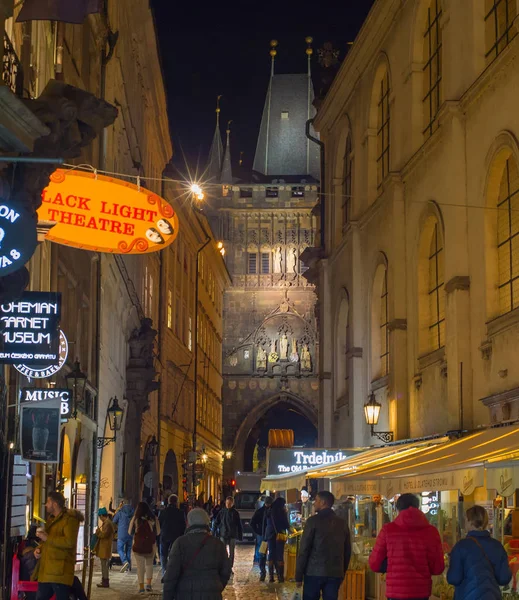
(418, 276)
(265, 220)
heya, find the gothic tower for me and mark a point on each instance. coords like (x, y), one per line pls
(270, 340)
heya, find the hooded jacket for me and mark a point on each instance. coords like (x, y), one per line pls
(58, 552)
(105, 536)
(196, 572)
(478, 566)
(122, 519)
(414, 553)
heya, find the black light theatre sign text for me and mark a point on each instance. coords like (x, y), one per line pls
(29, 329)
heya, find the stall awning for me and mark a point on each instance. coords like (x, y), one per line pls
(457, 465)
(279, 483)
(368, 456)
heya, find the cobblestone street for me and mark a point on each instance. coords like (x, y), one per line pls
(244, 585)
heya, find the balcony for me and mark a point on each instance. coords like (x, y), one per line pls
(12, 74)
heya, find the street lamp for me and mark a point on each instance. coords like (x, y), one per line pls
(196, 190)
(76, 383)
(228, 454)
(114, 414)
(153, 447)
(372, 413)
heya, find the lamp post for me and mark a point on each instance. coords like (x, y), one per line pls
(114, 414)
(152, 447)
(76, 383)
(372, 413)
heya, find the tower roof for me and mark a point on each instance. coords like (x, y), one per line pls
(226, 165)
(214, 162)
(282, 147)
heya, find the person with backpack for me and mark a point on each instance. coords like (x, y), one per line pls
(198, 566)
(145, 528)
(479, 563)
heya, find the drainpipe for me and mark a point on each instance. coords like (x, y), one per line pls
(322, 182)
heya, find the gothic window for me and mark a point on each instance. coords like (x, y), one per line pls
(432, 69)
(272, 192)
(384, 331)
(436, 292)
(499, 26)
(508, 238)
(298, 192)
(383, 130)
(252, 265)
(245, 192)
(347, 187)
(265, 262)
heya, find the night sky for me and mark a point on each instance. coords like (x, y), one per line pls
(209, 49)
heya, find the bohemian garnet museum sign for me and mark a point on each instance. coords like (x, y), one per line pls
(103, 214)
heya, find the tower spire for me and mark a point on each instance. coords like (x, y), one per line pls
(214, 163)
(226, 166)
(309, 52)
(273, 53)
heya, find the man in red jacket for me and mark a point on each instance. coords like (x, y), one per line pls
(410, 551)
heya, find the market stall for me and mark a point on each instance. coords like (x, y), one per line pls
(449, 477)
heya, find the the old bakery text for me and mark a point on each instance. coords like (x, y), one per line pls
(117, 217)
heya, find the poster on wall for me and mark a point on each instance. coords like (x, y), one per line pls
(40, 424)
(29, 329)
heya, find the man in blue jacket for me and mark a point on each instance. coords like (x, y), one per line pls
(122, 519)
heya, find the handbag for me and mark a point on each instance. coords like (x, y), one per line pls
(263, 548)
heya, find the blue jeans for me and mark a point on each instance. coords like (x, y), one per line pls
(124, 549)
(314, 585)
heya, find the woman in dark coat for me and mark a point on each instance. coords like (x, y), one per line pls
(276, 530)
(479, 563)
(198, 566)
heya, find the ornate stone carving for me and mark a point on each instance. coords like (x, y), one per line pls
(306, 359)
(261, 359)
(486, 350)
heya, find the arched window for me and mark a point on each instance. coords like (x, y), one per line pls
(499, 26)
(508, 237)
(432, 53)
(379, 323)
(436, 292)
(383, 129)
(347, 185)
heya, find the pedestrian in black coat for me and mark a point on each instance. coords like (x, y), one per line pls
(172, 525)
(229, 527)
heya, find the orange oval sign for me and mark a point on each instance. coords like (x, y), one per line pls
(99, 213)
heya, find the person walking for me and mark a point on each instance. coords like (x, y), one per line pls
(57, 553)
(122, 518)
(103, 548)
(229, 527)
(144, 527)
(172, 525)
(410, 550)
(324, 551)
(259, 525)
(276, 531)
(479, 563)
(198, 566)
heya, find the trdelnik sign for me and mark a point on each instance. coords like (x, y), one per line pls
(295, 460)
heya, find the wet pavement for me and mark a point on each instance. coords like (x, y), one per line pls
(245, 583)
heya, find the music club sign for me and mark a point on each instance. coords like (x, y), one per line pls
(103, 214)
(63, 396)
(29, 329)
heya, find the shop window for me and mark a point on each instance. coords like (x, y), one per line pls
(436, 292)
(252, 265)
(432, 69)
(265, 262)
(383, 130)
(499, 26)
(347, 184)
(508, 238)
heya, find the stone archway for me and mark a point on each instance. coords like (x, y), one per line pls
(170, 474)
(255, 415)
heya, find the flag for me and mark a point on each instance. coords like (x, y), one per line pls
(68, 11)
